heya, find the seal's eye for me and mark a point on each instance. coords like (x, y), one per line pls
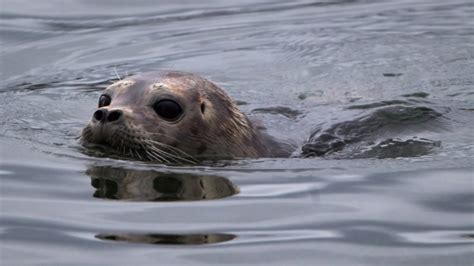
(104, 100)
(168, 109)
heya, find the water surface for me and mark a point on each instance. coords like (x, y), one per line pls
(392, 81)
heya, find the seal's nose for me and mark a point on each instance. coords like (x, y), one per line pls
(114, 115)
(103, 115)
(100, 115)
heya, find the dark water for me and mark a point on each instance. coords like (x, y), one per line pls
(384, 90)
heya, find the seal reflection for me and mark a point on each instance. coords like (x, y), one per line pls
(167, 239)
(147, 185)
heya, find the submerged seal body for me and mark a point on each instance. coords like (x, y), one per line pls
(175, 117)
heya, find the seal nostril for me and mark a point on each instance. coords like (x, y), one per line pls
(99, 115)
(114, 115)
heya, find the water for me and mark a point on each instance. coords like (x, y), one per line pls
(393, 81)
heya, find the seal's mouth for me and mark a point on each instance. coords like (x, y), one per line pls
(94, 133)
(107, 148)
(123, 142)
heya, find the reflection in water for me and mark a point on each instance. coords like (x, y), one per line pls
(141, 185)
(168, 239)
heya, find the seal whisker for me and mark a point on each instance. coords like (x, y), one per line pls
(156, 154)
(134, 153)
(152, 157)
(131, 153)
(138, 155)
(162, 156)
(116, 74)
(174, 149)
(149, 156)
(168, 155)
(159, 157)
(165, 154)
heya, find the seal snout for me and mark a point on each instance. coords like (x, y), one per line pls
(103, 115)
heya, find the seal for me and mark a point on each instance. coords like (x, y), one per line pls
(175, 117)
(148, 185)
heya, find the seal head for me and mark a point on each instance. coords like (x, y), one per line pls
(175, 117)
